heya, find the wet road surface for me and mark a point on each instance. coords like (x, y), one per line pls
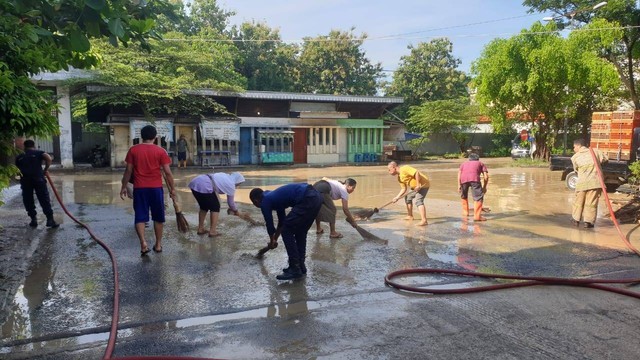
(209, 297)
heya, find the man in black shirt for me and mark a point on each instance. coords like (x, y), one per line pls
(32, 179)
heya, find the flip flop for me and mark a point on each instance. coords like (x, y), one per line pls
(202, 232)
(320, 232)
(157, 250)
(144, 253)
(335, 236)
(214, 235)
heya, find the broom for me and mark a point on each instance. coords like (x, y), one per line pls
(262, 251)
(183, 225)
(367, 213)
(367, 235)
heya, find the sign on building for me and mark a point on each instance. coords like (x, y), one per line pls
(220, 129)
(164, 128)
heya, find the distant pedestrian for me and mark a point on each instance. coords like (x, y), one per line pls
(588, 188)
(182, 147)
(32, 179)
(205, 188)
(305, 202)
(470, 176)
(337, 190)
(413, 185)
(147, 162)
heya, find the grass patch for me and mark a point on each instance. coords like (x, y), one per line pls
(526, 162)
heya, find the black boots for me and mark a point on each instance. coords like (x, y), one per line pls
(293, 272)
(34, 222)
(51, 223)
(303, 269)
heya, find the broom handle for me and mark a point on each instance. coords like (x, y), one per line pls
(391, 202)
(176, 206)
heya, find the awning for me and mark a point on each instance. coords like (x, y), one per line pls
(411, 136)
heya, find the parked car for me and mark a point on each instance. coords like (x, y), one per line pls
(519, 152)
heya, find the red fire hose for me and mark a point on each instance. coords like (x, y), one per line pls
(522, 280)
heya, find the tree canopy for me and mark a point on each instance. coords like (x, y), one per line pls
(336, 64)
(266, 61)
(430, 72)
(38, 35)
(535, 77)
(623, 15)
(453, 117)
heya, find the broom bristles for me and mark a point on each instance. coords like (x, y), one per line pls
(183, 225)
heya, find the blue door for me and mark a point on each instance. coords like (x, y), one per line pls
(245, 145)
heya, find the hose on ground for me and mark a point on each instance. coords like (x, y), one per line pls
(113, 332)
(522, 281)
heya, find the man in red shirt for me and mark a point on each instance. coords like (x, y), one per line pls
(469, 177)
(147, 162)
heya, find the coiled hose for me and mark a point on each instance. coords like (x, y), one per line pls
(523, 280)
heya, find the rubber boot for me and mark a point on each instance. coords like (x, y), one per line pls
(303, 269)
(51, 223)
(34, 222)
(477, 211)
(293, 273)
(465, 207)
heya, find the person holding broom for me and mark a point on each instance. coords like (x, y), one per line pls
(305, 202)
(469, 178)
(337, 190)
(148, 162)
(411, 179)
(205, 188)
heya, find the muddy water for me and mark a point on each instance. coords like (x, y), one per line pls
(526, 232)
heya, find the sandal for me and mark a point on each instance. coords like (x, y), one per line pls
(144, 253)
(214, 235)
(335, 236)
(157, 250)
(320, 232)
(202, 232)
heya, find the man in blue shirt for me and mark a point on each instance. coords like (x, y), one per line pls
(305, 203)
(32, 179)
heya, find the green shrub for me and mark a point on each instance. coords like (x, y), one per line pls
(526, 162)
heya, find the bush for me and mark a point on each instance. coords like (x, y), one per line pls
(452, 156)
(526, 162)
(499, 152)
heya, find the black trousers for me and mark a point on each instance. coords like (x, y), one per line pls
(297, 224)
(40, 187)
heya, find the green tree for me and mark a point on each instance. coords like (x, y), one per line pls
(168, 79)
(207, 14)
(536, 76)
(336, 64)
(266, 62)
(48, 35)
(430, 72)
(623, 14)
(453, 117)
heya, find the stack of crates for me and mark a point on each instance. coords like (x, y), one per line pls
(612, 132)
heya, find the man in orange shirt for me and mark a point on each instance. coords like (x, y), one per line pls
(411, 179)
(147, 161)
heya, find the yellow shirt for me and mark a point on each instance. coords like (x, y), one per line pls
(407, 175)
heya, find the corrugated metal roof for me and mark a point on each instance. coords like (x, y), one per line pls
(274, 95)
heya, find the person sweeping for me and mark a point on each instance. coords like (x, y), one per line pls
(469, 177)
(147, 162)
(206, 189)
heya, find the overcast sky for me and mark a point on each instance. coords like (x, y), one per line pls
(392, 25)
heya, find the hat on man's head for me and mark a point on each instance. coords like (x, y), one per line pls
(237, 178)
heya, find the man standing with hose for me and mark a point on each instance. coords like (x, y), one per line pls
(588, 190)
(32, 179)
